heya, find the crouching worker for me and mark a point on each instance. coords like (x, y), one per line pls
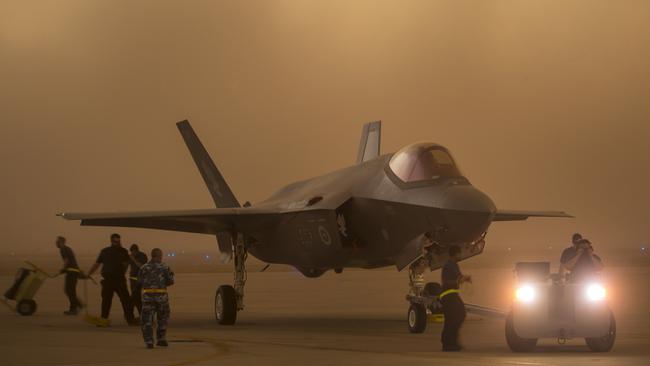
(154, 277)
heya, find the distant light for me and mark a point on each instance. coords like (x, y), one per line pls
(207, 256)
(643, 249)
(509, 249)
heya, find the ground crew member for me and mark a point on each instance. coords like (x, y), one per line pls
(579, 260)
(114, 260)
(569, 253)
(72, 274)
(452, 305)
(154, 277)
(137, 260)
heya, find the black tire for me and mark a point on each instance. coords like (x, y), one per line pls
(225, 305)
(417, 318)
(515, 342)
(26, 307)
(432, 289)
(605, 343)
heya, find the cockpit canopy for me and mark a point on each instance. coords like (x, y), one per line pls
(423, 161)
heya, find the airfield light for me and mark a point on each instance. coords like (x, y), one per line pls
(526, 293)
(596, 292)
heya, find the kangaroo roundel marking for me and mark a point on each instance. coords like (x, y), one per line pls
(324, 235)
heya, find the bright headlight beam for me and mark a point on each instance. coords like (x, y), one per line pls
(596, 292)
(525, 293)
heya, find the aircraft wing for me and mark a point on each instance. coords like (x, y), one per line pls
(209, 221)
(512, 215)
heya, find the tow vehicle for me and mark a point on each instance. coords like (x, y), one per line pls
(545, 306)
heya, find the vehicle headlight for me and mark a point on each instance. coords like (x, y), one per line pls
(596, 292)
(526, 293)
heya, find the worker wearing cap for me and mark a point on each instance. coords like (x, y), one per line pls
(155, 277)
(452, 305)
(72, 274)
(137, 260)
(579, 260)
(568, 254)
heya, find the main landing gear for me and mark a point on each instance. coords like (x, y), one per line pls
(230, 299)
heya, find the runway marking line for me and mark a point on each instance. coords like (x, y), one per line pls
(426, 355)
(220, 349)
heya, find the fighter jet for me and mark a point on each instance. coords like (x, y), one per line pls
(378, 212)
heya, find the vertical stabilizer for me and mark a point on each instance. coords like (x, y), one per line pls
(219, 189)
(370, 142)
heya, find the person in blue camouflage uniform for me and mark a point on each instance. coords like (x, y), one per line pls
(154, 277)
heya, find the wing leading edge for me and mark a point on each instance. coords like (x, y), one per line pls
(209, 221)
(514, 215)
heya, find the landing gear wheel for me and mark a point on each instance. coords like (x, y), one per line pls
(605, 343)
(26, 307)
(432, 289)
(417, 318)
(225, 305)
(515, 342)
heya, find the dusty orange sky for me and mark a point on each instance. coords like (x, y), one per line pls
(545, 105)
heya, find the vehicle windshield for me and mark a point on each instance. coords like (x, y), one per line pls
(420, 162)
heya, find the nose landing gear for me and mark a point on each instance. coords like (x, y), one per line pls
(423, 299)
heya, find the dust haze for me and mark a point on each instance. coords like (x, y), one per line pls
(545, 106)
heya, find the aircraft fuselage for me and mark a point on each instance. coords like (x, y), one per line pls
(362, 216)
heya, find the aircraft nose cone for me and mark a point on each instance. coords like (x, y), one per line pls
(467, 213)
(468, 198)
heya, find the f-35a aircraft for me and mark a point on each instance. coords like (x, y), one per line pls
(379, 212)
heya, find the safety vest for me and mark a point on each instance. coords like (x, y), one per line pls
(70, 269)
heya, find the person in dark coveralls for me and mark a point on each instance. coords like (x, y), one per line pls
(579, 260)
(138, 259)
(72, 274)
(452, 305)
(114, 260)
(155, 277)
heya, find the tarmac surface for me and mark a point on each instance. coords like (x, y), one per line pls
(354, 318)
